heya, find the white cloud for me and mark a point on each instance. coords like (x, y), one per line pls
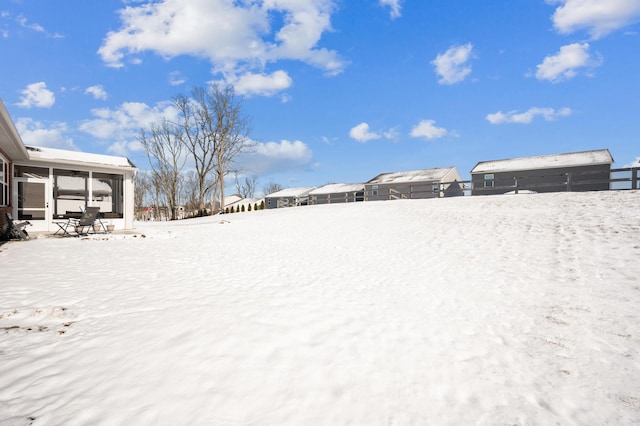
(564, 64)
(34, 27)
(361, 133)
(176, 78)
(51, 135)
(452, 66)
(274, 157)
(635, 163)
(235, 37)
(598, 17)
(427, 129)
(37, 95)
(394, 6)
(549, 114)
(97, 92)
(125, 122)
(23, 22)
(124, 148)
(261, 84)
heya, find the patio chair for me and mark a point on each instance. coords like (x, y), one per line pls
(75, 227)
(15, 230)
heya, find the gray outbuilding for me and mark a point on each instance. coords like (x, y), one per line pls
(337, 193)
(289, 197)
(427, 183)
(575, 171)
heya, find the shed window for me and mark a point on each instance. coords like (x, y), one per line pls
(4, 182)
(488, 180)
(435, 187)
(374, 190)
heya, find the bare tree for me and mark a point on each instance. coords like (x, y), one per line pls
(247, 187)
(271, 187)
(216, 131)
(164, 147)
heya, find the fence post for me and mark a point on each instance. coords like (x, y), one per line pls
(568, 181)
(634, 178)
(515, 183)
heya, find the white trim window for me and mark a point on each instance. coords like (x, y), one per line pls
(488, 180)
(4, 182)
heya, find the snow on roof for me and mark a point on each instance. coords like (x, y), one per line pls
(572, 159)
(336, 188)
(292, 192)
(231, 199)
(66, 156)
(412, 176)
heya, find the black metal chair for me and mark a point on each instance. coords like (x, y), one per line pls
(74, 227)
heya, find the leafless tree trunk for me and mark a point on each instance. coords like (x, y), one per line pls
(141, 192)
(164, 146)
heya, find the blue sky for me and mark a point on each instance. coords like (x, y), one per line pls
(337, 90)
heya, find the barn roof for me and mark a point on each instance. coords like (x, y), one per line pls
(426, 175)
(338, 188)
(572, 159)
(292, 192)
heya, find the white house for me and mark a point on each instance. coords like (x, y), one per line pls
(44, 184)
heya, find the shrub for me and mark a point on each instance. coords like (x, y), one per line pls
(242, 208)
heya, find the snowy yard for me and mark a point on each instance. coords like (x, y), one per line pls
(514, 309)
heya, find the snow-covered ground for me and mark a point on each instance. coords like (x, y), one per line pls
(514, 309)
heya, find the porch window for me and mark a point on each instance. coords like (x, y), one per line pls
(107, 193)
(4, 182)
(70, 191)
(488, 180)
(74, 190)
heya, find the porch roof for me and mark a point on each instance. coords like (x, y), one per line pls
(51, 155)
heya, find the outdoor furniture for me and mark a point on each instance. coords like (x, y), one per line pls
(74, 226)
(15, 230)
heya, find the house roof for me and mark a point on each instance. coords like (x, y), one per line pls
(338, 188)
(425, 175)
(10, 141)
(76, 157)
(291, 192)
(572, 159)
